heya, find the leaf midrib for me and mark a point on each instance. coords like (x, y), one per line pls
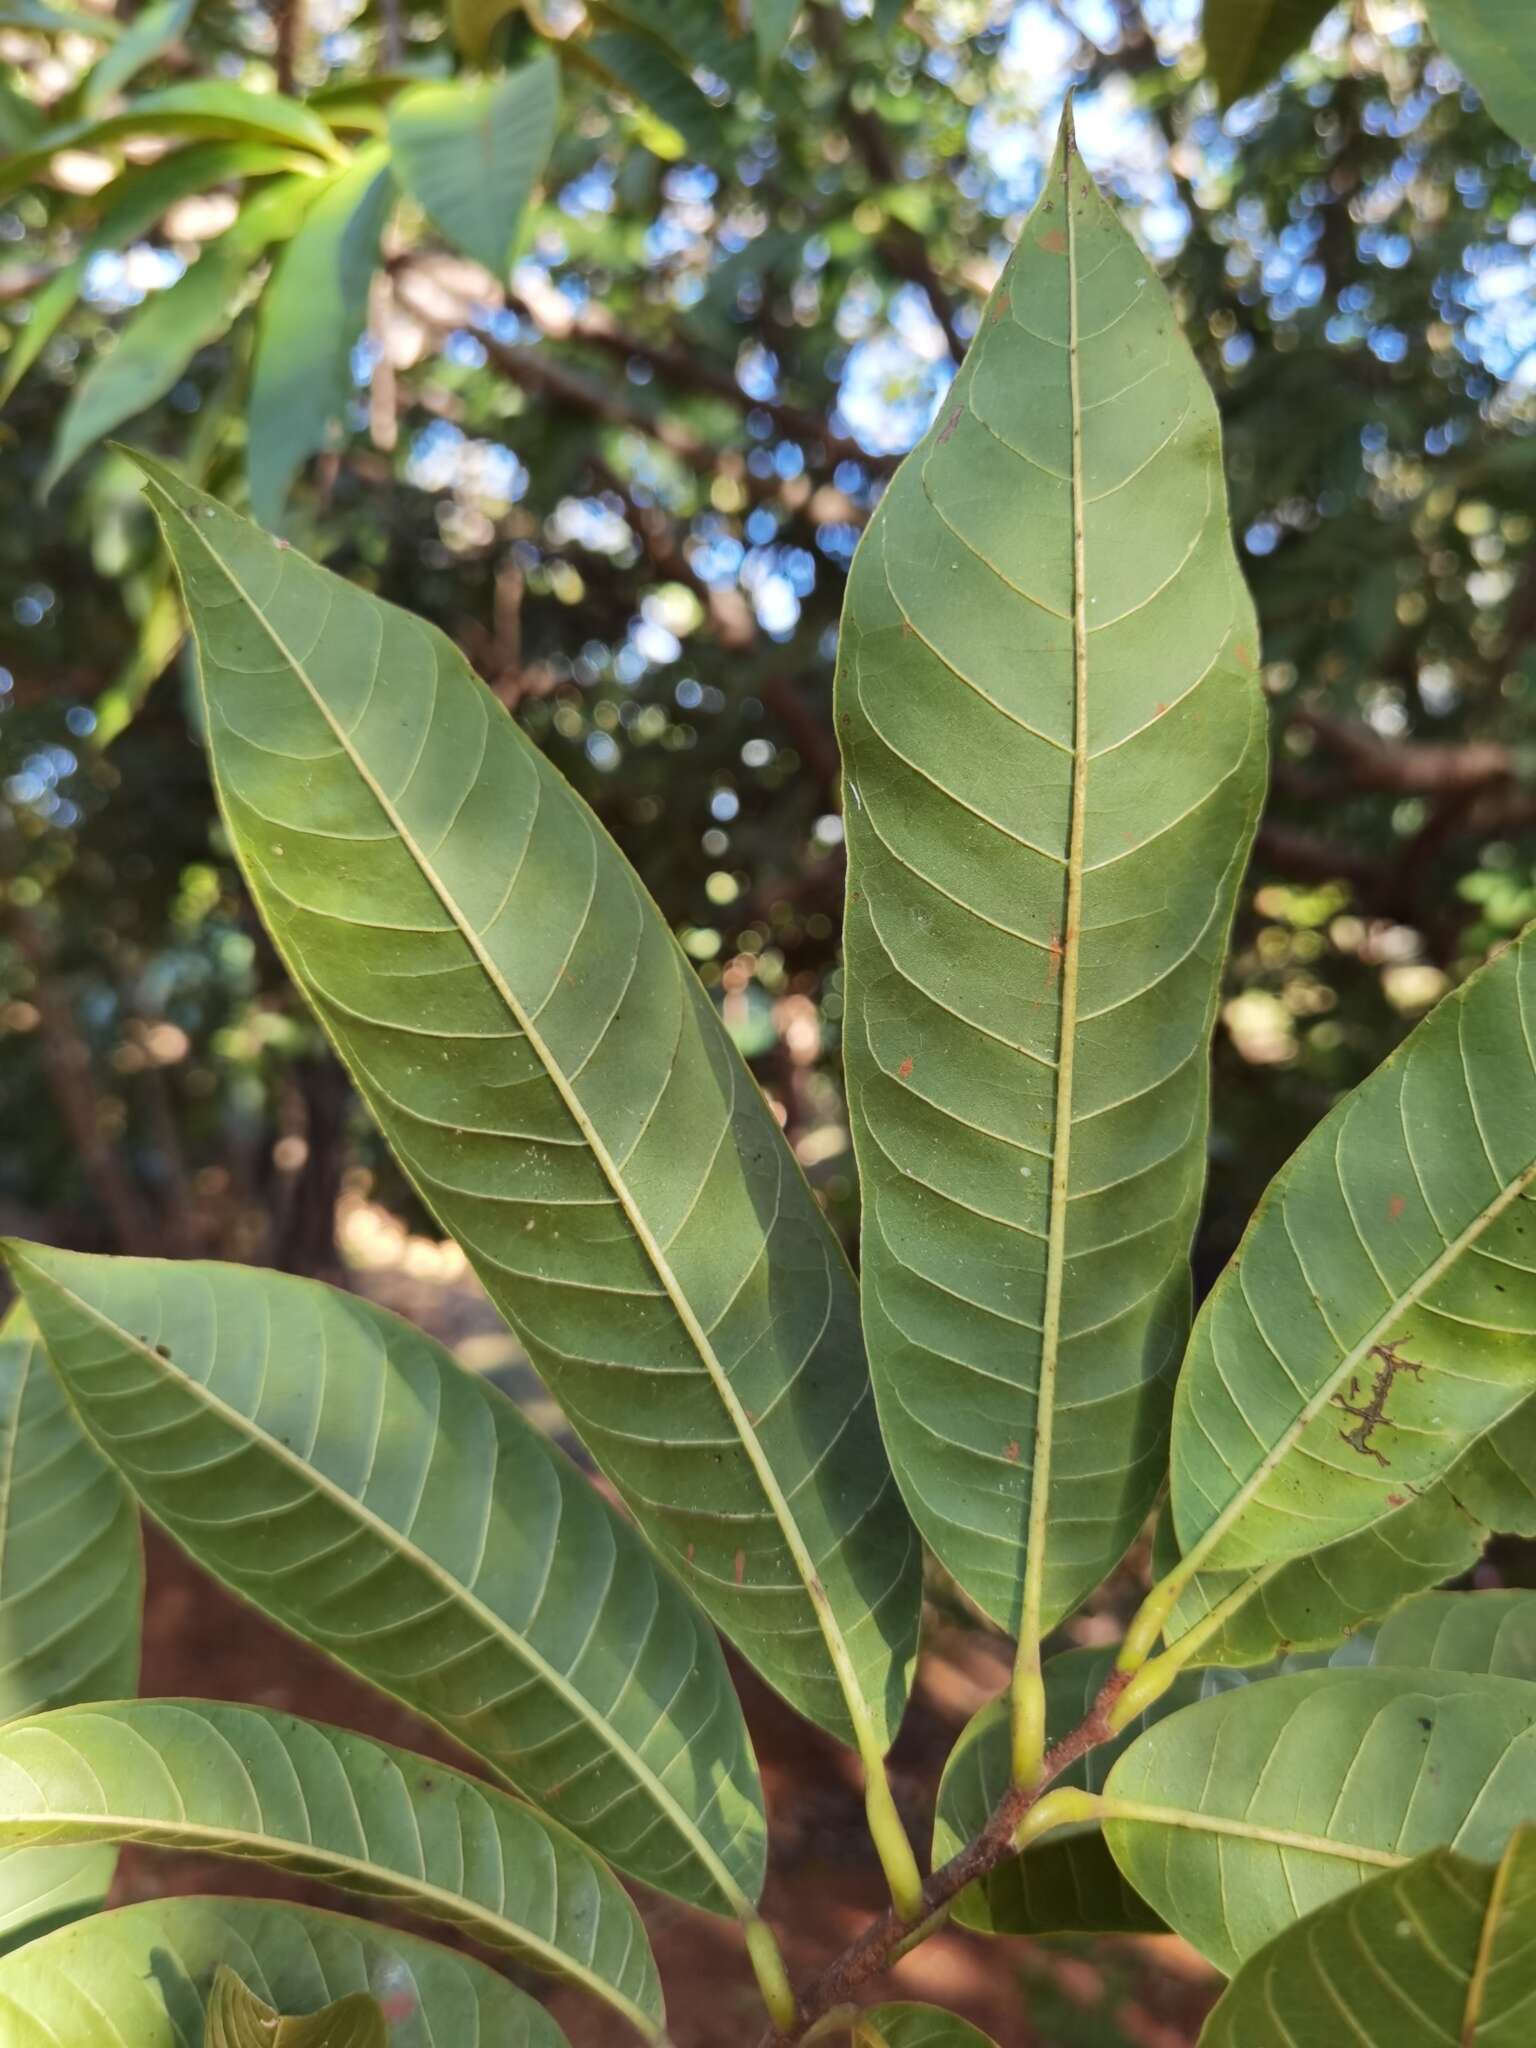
(457, 1907)
(1193, 1821)
(394, 1540)
(837, 1648)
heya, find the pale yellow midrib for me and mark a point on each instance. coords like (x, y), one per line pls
(459, 1910)
(400, 1545)
(1194, 1822)
(1061, 1151)
(1477, 1984)
(832, 1635)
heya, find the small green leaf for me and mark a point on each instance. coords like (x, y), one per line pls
(71, 1594)
(1247, 41)
(915, 2026)
(164, 335)
(312, 313)
(1440, 1952)
(1375, 1320)
(153, 32)
(548, 1069)
(202, 108)
(239, 1781)
(237, 2018)
(1235, 1816)
(1068, 1883)
(446, 1553)
(471, 154)
(144, 1977)
(1492, 43)
(646, 71)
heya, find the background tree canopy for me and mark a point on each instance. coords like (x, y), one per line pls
(623, 457)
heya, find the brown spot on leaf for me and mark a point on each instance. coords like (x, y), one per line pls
(739, 1569)
(1053, 242)
(1396, 1207)
(949, 426)
(1053, 966)
(1012, 1453)
(688, 1553)
(1397, 1500)
(904, 1071)
(1244, 653)
(1370, 1414)
(1159, 709)
(908, 630)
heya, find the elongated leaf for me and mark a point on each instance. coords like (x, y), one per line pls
(471, 154)
(1234, 1817)
(1068, 1883)
(203, 107)
(1493, 1631)
(165, 334)
(1053, 745)
(312, 313)
(71, 1595)
(237, 2018)
(58, 20)
(549, 1071)
(1376, 1318)
(916, 2026)
(1247, 41)
(148, 36)
(244, 1782)
(649, 73)
(143, 1977)
(1440, 1952)
(444, 1551)
(1493, 44)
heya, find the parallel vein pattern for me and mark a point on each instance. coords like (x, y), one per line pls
(254, 1784)
(142, 1977)
(1441, 1954)
(1377, 1318)
(558, 1085)
(335, 1467)
(1235, 1816)
(71, 1596)
(1053, 745)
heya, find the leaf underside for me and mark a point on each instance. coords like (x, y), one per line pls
(1054, 755)
(549, 1071)
(1247, 41)
(237, 2018)
(337, 1469)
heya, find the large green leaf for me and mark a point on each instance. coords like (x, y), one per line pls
(186, 1774)
(1235, 1816)
(1067, 1883)
(1441, 1952)
(161, 339)
(312, 313)
(143, 1977)
(1493, 44)
(558, 1085)
(471, 153)
(1376, 1318)
(335, 1467)
(1247, 41)
(200, 108)
(915, 2026)
(134, 202)
(71, 1594)
(237, 2018)
(1053, 743)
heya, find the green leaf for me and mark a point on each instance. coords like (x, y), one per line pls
(167, 332)
(71, 1595)
(237, 2018)
(237, 1780)
(915, 2026)
(312, 313)
(1247, 41)
(1492, 1631)
(152, 33)
(641, 68)
(1441, 1951)
(1376, 1318)
(201, 108)
(446, 1552)
(1053, 766)
(1496, 1480)
(1492, 43)
(471, 153)
(1237, 1815)
(144, 1976)
(59, 20)
(1068, 1883)
(548, 1069)
(134, 202)
(773, 23)
(475, 22)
